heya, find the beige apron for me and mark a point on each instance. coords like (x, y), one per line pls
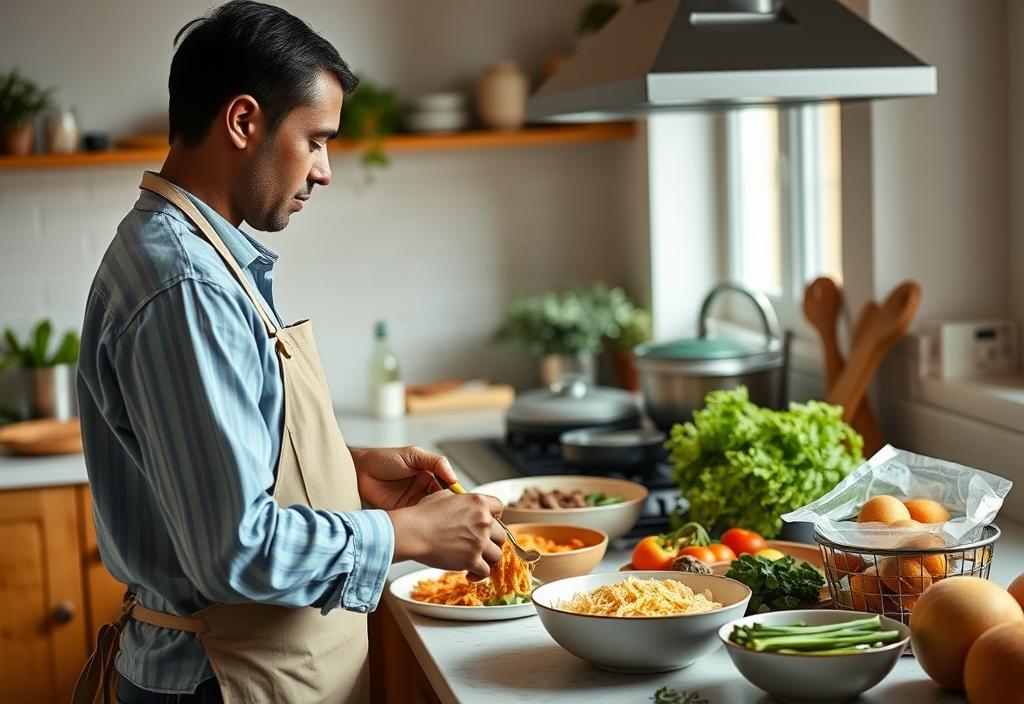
(259, 652)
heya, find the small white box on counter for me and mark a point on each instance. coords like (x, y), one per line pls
(962, 349)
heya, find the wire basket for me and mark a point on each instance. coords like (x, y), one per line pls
(889, 581)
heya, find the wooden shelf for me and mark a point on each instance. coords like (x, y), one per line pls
(553, 135)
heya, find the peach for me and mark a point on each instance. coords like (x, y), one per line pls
(904, 575)
(866, 590)
(883, 509)
(927, 510)
(934, 564)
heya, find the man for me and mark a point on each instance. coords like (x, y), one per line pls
(224, 495)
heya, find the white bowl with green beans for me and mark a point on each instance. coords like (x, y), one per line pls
(822, 656)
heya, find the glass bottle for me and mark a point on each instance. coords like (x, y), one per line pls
(387, 392)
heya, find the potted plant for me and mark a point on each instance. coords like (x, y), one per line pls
(21, 101)
(566, 330)
(367, 116)
(50, 378)
(635, 326)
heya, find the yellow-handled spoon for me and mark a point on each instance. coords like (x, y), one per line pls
(530, 557)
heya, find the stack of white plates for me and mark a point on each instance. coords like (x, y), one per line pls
(438, 112)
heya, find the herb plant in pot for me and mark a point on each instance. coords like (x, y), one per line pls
(49, 378)
(21, 101)
(565, 330)
(630, 326)
(370, 114)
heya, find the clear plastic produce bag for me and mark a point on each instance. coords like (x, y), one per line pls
(972, 496)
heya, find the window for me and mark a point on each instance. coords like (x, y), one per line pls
(782, 203)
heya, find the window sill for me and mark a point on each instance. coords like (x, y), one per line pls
(997, 400)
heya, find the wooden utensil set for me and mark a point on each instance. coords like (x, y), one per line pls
(876, 329)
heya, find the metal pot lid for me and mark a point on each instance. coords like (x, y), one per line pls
(711, 356)
(701, 348)
(570, 401)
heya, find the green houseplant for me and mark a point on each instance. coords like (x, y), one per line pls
(567, 329)
(367, 116)
(21, 101)
(49, 377)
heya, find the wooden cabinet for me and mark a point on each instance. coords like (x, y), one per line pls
(54, 592)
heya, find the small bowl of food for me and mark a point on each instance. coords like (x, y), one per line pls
(822, 656)
(566, 551)
(639, 621)
(611, 506)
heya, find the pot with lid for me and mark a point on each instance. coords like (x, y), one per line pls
(542, 415)
(676, 376)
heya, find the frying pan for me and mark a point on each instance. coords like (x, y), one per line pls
(601, 448)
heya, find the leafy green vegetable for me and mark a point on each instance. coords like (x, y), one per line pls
(509, 600)
(598, 498)
(667, 695)
(741, 465)
(777, 584)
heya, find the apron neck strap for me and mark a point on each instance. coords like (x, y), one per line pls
(162, 187)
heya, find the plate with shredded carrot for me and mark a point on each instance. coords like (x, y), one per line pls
(505, 594)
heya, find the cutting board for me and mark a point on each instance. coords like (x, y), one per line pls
(42, 437)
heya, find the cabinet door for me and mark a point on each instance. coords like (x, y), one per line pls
(103, 593)
(42, 629)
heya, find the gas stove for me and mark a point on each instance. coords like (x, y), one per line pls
(490, 459)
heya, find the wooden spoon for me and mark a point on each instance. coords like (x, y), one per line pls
(878, 336)
(822, 303)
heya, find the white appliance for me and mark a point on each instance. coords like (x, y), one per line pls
(964, 349)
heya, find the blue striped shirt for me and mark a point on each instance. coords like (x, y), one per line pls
(181, 403)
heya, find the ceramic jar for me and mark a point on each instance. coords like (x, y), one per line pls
(501, 96)
(62, 133)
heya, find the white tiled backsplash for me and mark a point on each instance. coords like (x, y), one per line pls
(435, 246)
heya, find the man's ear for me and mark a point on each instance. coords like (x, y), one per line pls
(241, 118)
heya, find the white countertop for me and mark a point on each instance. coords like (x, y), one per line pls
(516, 661)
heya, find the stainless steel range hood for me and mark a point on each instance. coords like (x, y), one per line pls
(667, 55)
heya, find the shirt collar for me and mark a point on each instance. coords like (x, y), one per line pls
(243, 248)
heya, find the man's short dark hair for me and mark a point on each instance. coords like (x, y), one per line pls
(246, 47)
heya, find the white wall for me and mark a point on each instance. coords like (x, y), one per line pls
(1015, 59)
(436, 246)
(940, 165)
(929, 193)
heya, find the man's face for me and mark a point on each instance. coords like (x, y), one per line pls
(291, 160)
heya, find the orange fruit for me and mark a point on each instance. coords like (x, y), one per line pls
(927, 511)
(883, 509)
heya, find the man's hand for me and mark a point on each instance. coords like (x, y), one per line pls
(396, 477)
(451, 532)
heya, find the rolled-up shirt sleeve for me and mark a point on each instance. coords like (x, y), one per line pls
(192, 380)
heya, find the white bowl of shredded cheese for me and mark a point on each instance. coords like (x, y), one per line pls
(639, 621)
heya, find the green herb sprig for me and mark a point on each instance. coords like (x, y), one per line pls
(777, 584)
(667, 695)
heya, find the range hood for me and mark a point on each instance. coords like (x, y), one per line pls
(668, 55)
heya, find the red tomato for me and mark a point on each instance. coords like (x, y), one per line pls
(723, 553)
(702, 553)
(650, 554)
(741, 540)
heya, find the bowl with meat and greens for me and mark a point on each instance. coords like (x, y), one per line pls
(609, 505)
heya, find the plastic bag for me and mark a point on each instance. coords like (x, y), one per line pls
(972, 496)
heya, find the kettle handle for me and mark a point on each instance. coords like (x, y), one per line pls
(769, 320)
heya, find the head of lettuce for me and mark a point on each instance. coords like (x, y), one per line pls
(738, 464)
